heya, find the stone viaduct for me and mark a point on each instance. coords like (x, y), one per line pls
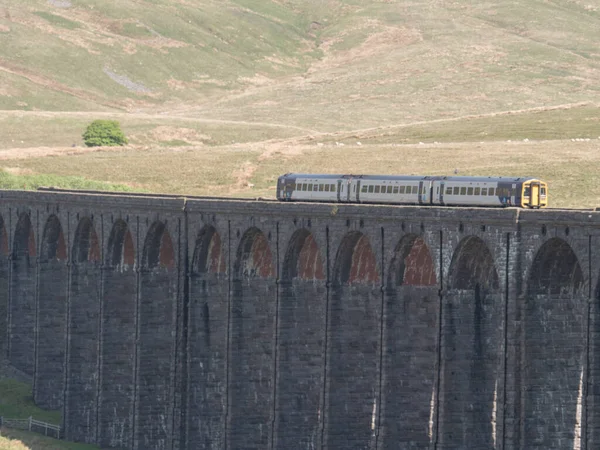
(170, 323)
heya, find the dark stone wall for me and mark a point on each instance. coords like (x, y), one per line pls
(251, 364)
(208, 360)
(173, 323)
(51, 335)
(352, 400)
(118, 358)
(409, 367)
(154, 384)
(471, 362)
(81, 399)
(4, 292)
(300, 351)
(22, 303)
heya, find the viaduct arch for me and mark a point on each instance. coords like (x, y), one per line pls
(172, 323)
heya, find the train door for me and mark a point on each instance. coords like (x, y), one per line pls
(441, 196)
(340, 186)
(421, 193)
(348, 187)
(358, 191)
(288, 189)
(534, 198)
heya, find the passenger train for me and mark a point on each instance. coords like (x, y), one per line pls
(522, 192)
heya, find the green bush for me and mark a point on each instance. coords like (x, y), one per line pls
(104, 132)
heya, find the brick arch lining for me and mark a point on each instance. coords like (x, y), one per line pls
(86, 246)
(412, 264)
(473, 267)
(4, 248)
(208, 253)
(158, 247)
(24, 243)
(555, 269)
(53, 241)
(355, 261)
(303, 258)
(254, 256)
(121, 251)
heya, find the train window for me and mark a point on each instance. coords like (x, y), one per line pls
(463, 191)
(364, 188)
(389, 189)
(415, 189)
(456, 190)
(321, 187)
(448, 191)
(395, 189)
(402, 189)
(491, 191)
(326, 188)
(310, 187)
(371, 189)
(470, 191)
(477, 191)
(333, 188)
(543, 191)
(377, 189)
(483, 191)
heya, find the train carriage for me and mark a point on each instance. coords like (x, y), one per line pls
(524, 192)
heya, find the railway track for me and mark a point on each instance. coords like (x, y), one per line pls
(224, 199)
(152, 195)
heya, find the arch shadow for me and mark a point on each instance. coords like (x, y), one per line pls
(51, 343)
(83, 362)
(411, 340)
(354, 345)
(118, 328)
(301, 334)
(23, 290)
(4, 291)
(555, 334)
(157, 339)
(472, 337)
(207, 337)
(251, 352)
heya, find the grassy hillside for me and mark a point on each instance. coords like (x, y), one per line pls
(325, 66)
(82, 54)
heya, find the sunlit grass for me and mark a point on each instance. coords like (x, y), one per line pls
(34, 181)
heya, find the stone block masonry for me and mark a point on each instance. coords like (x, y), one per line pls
(168, 323)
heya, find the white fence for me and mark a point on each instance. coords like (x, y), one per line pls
(31, 424)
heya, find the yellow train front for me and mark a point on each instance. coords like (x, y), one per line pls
(534, 194)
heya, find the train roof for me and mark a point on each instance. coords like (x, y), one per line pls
(409, 177)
